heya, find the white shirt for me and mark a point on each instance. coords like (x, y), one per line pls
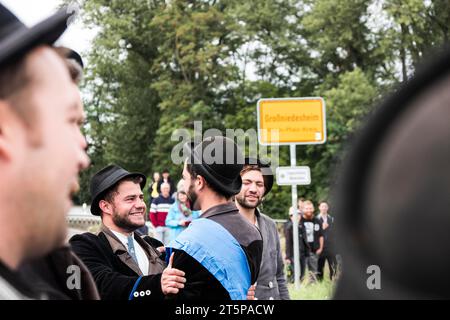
(140, 253)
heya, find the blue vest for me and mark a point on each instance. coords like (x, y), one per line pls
(219, 252)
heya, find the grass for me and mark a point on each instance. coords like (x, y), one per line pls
(319, 290)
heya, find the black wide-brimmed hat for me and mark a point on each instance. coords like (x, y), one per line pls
(220, 161)
(265, 170)
(107, 178)
(392, 198)
(16, 39)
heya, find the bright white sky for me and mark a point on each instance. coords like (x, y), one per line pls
(31, 12)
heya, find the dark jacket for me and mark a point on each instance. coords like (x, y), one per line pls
(328, 235)
(288, 233)
(201, 284)
(271, 283)
(116, 274)
(52, 276)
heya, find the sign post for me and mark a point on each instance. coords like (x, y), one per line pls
(292, 121)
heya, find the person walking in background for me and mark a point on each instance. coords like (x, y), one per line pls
(328, 253)
(180, 216)
(158, 212)
(153, 188)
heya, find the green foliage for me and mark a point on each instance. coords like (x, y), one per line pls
(156, 66)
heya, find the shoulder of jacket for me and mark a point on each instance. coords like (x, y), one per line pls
(155, 243)
(267, 219)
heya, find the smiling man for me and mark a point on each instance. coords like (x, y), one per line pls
(257, 181)
(124, 265)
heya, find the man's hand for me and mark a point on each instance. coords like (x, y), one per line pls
(325, 225)
(318, 252)
(251, 292)
(172, 280)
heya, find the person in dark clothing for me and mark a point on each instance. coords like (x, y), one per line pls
(312, 230)
(61, 275)
(124, 265)
(221, 251)
(328, 253)
(289, 248)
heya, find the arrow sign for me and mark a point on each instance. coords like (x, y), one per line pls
(287, 176)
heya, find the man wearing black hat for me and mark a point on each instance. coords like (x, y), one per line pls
(51, 274)
(221, 251)
(124, 265)
(257, 181)
(41, 147)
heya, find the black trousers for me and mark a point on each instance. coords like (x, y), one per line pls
(332, 264)
(290, 269)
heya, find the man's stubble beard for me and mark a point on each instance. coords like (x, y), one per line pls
(124, 222)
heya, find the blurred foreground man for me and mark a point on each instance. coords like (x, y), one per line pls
(41, 147)
(392, 196)
(221, 251)
(256, 184)
(61, 275)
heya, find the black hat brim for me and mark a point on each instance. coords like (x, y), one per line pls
(23, 39)
(110, 182)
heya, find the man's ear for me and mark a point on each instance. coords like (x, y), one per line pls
(9, 125)
(105, 207)
(200, 182)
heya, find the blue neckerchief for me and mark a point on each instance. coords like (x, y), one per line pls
(219, 252)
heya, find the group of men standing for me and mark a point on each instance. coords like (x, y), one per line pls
(316, 241)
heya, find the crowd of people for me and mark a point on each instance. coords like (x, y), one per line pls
(211, 239)
(223, 254)
(170, 213)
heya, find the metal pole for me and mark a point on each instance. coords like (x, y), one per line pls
(295, 223)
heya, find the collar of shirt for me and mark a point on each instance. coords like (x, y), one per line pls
(140, 253)
(229, 207)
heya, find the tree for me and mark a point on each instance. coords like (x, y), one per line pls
(157, 66)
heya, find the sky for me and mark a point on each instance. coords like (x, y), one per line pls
(30, 12)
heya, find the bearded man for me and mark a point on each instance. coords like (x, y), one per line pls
(124, 264)
(257, 181)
